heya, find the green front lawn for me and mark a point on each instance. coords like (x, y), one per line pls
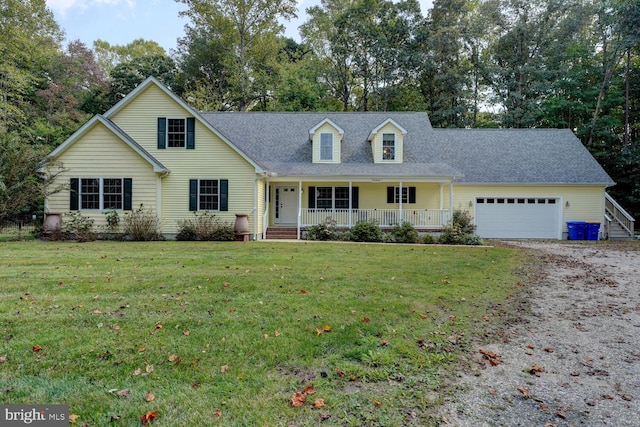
(227, 333)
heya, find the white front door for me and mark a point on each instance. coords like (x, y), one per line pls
(286, 205)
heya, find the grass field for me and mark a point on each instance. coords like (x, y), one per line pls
(199, 334)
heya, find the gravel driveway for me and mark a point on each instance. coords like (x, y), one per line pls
(572, 358)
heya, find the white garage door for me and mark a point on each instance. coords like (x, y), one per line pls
(519, 217)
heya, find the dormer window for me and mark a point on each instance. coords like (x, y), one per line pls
(326, 146)
(326, 138)
(388, 146)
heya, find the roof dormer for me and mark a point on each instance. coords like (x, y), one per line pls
(387, 142)
(326, 138)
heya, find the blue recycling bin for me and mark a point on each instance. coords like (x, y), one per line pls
(576, 229)
(592, 230)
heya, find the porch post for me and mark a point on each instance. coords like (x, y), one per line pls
(350, 204)
(266, 215)
(299, 207)
(451, 200)
(400, 205)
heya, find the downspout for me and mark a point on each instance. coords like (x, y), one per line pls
(255, 208)
(267, 206)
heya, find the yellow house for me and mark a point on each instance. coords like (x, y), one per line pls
(287, 171)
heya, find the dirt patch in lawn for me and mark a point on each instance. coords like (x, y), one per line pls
(572, 357)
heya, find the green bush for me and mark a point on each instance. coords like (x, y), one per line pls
(428, 239)
(365, 231)
(326, 230)
(76, 227)
(461, 230)
(205, 227)
(141, 225)
(404, 233)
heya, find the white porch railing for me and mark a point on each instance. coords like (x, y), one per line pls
(419, 218)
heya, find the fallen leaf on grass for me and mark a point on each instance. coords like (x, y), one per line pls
(339, 372)
(149, 416)
(224, 369)
(115, 418)
(377, 403)
(123, 393)
(217, 413)
(3, 358)
(36, 348)
(73, 418)
(175, 359)
(137, 371)
(298, 399)
(150, 397)
(366, 320)
(186, 332)
(319, 403)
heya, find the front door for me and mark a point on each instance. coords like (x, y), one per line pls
(286, 205)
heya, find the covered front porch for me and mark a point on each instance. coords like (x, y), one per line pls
(297, 205)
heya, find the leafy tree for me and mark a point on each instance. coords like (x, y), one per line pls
(23, 176)
(110, 56)
(127, 75)
(29, 43)
(245, 30)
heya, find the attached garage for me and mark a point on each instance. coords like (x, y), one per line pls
(519, 217)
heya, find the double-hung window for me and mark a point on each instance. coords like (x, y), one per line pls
(408, 195)
(332, 197)
(100, 193)
(176, 133)
(208, 194)
(388, 146)
(326, 146)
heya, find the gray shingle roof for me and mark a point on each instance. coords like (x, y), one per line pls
(519, 156)
(279, 142)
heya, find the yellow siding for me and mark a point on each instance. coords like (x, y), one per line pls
(100, 154)
(326, 128)
(212, 158)
(578, 203)
(377, 144)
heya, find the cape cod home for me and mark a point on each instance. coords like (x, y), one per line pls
(287, 171)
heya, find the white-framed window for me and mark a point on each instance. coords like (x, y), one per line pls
(208, 194)
(100, 193)
(333, 197)
(326, 146)
(388, 146)
(408, 195)
(176, 133)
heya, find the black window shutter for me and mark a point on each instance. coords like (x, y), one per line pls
(128, 189)
(74, 194)
(390, 198)
(355, 197)
(191, 133)
(162, 133)
(412, 194)
(224, 194)
(193, 194)
(312, 197)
